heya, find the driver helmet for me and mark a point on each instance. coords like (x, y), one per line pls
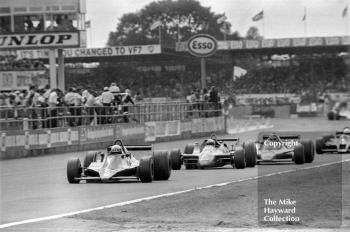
(347, 130)
(116, 150)
(210, 142)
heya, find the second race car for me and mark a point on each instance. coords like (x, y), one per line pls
(214, 152)
(275, 147)
(118, 163)
(338, 142)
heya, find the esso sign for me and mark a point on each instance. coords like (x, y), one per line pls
(202, 45)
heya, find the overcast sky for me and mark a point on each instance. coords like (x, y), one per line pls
(282, 18)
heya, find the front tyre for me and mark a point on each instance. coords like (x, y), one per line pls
(74, 170)
(299, 157)
(146, 169)
(162, 165)
(319, 145)
(239, 159)
(175, 157)
(309, 151)
(250, 154)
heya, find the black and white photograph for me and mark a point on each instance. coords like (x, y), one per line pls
(174, 115)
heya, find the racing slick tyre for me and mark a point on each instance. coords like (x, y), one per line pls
(146, 169)
(162, 165)
(250, 154)
(309, 151)
(89, 158)
(73, 170)
(299, 156)
(189, 149)
(319, 145)
(175, 156)
(239, 159)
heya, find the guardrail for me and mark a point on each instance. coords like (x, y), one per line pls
(24, 118)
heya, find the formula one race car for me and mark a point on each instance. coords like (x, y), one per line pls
(338, 142)
(215, 152)
(118, 164)
(339, 111)
(273, 148)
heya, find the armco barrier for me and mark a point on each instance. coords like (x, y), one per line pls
(172, 130)
(15, 144)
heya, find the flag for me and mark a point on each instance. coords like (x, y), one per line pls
(238, 72)
(304, 17)
(221, 19)
(88, 24)
(345, 11)
(258, 16)
(155, 25)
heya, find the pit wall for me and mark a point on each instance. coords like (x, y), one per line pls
(18, 144)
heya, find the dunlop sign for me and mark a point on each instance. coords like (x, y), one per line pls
(40, 40)
(202, 45)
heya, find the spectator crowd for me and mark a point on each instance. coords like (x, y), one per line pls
(49, 103)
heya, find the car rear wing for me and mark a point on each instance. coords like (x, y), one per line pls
(146, 147)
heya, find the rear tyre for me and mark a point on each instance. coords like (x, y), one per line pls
(73, 170)
(89, 158)
(319, 145)
(239, 159)
(250, 154)
(299, 157)
(309, 151)
(162, 165)
(146, 169)
(175, 157)
(189, 149)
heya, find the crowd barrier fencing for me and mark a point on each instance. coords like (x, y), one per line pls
(24, 118)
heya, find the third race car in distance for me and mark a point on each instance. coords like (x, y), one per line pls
(338, 142)
(273, 147)
(214, 152)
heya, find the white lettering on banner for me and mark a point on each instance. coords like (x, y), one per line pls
(252, 44)
(283, 42)
(39, 40)
(332, 41)
(236, 44)
(298, 42)
(268, 43)
(316, 41)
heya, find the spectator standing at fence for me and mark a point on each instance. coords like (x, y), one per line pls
(53, 103)
(107, 100)
(89, 103)
(126, 100)
(69, 100)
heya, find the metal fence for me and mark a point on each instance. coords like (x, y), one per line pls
(24, 118)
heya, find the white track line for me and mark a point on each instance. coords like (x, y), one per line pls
(159, 196)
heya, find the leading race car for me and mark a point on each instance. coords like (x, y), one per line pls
(215, 152)
(118, 164)
(275, 147)
(338, 142)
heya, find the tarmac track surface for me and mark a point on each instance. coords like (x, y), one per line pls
(37, 187)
